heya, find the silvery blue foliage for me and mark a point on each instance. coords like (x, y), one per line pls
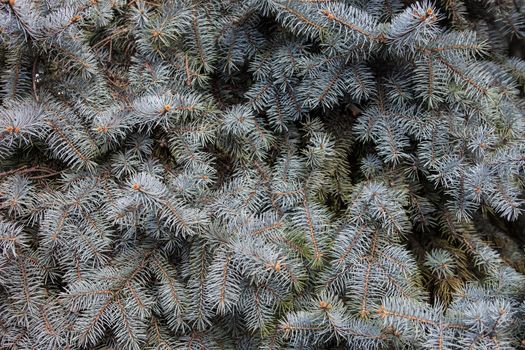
(261, 174)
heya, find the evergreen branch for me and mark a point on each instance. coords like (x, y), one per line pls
(333, 18)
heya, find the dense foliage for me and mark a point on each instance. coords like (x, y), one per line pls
(261, 174)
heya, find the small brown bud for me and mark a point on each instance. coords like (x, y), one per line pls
(364, 313)
(325, 305)
(75, 19)
(136, 186)
(382, 312)
(102, 129)
(329, 15)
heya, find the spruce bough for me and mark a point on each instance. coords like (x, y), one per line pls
(261, 174)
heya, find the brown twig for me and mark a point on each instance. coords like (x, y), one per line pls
(24, 170)
(44, 176)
